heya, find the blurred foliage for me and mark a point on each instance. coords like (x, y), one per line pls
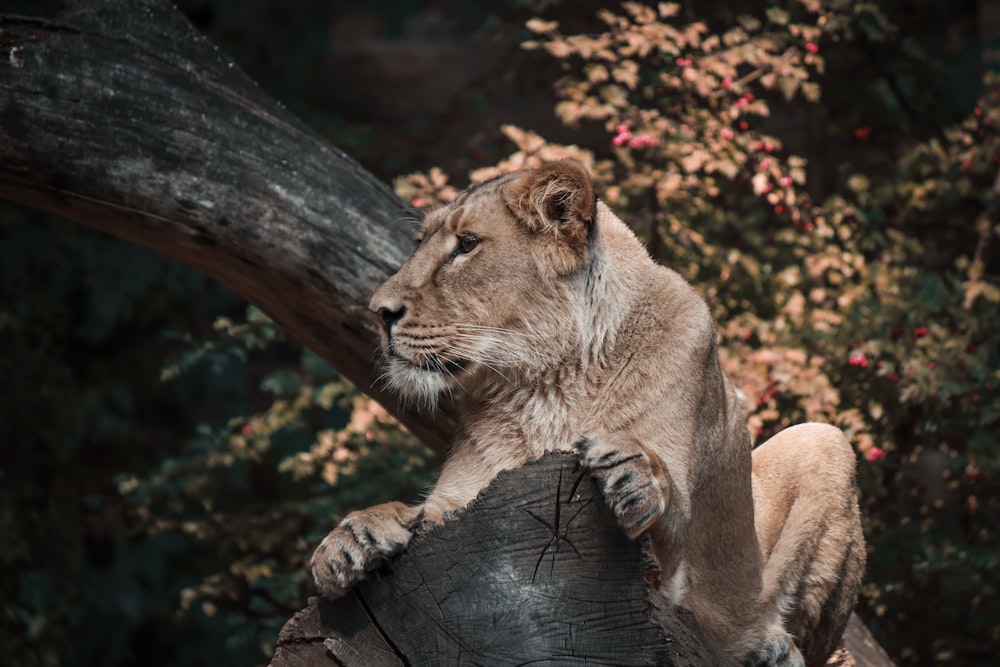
(824, 171)
(155, 505)
(871, 303)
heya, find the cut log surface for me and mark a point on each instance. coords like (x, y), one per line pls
(534, 572)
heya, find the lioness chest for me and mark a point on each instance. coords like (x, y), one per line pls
(549, 413)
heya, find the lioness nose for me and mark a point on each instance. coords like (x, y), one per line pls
(387, 304)
(390, 316)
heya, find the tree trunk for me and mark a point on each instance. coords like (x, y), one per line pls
(535, 572)
(118, 115)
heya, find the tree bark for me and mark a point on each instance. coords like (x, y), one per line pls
(535, 571)
(118, 115)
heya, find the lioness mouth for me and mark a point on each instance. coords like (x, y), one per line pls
(435, 365)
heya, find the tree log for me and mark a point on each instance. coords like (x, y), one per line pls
(535, 571)
(118, 115)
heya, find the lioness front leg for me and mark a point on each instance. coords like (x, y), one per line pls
(363, 540)
(633, 486)
(776, 650)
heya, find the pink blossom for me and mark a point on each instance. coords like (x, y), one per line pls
(874, 454)
(622, 136)
(811, 47)
(727, 134)
(858, 359)
(643, 140)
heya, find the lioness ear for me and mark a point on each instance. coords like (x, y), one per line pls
(556, 199)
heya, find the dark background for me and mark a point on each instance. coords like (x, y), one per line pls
(164, 468)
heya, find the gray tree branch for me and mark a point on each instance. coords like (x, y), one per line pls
(118, 115)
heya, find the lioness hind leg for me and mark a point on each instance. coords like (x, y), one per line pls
(809, 527)
(822, 640)
(628, 481)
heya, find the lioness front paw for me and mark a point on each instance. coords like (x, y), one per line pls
(777, 652)
(363, 540)
(625, 476)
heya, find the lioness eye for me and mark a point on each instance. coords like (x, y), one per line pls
(466, 244)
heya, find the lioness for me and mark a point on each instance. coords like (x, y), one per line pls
(532, 296)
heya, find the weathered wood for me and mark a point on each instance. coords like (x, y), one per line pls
(862, 648)
(117, 114)
(535, 572)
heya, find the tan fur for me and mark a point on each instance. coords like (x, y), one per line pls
(547, 311)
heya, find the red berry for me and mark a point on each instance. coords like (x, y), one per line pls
(811, 47)
(920, 332)
(858, 359)
(874, 454)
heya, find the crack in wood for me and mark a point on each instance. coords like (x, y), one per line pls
(381, 632)
(558, 535)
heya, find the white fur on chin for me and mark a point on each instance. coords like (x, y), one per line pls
(422, 387)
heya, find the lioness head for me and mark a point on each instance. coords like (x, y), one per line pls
(486, 291)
